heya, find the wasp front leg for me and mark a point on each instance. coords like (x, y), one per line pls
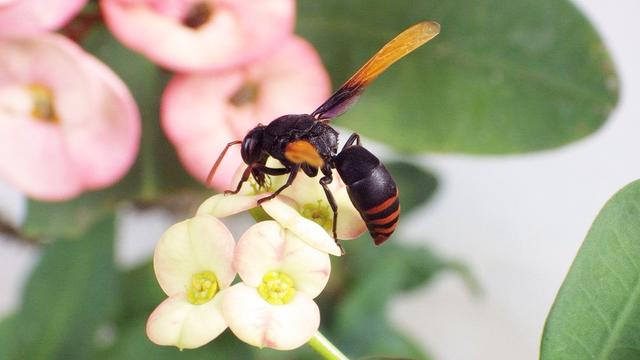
(243, 179)
(260, 168)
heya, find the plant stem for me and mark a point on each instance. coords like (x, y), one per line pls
(324, 347)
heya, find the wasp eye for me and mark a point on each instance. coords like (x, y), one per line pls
(251, 146)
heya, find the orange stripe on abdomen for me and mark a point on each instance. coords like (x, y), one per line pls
(383, 205)
(386, 230)
(394, 215)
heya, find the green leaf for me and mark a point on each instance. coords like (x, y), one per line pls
(378, 277)
(133, 344)
(72, 218)
(69, 295)
(140, 292)
(7, 349)
(363, 282)
(416, 185)
(596, 314)
(502, 76)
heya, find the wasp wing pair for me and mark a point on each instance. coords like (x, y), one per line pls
(394, 50)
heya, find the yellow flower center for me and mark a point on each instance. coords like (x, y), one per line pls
(320, 213)
(43, 107)
(277, 288)
(198, 15)
(203, 287)
(246, 95)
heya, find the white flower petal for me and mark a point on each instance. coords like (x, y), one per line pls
(258, 323)
(201, 243)
(221, 205)
(305, 190)
(309, 231)
(179, 323)
(266, 246)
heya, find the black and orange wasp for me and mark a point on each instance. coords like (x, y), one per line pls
(307, 142)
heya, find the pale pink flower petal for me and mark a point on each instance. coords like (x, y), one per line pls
(37, 15)
(202, 113)
(227, 33)
(281, 327)
(350, 224)
(93, 141)
(179, 323)
(199, 244)
(266, 246)
(307, 230)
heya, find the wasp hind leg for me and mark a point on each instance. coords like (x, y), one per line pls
(325, 181)
(354, 138)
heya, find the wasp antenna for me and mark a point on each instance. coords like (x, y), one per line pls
(217, 163)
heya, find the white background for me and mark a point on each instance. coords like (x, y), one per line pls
(516, 221)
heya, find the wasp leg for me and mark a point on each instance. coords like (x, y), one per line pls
(247, 172)
(274, 171)
(292, 176)
(243, 179)
(353, 138)
(325, 181)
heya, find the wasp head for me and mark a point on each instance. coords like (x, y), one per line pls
(252, 151)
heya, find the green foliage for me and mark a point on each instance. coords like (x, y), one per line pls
(416, 185)
(502, 77)
(71, 293)
(6, 336)
(73, 217)
(597, 310)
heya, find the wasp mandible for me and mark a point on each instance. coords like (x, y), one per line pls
(307, 143)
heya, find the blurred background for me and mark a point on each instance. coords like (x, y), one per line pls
(514, 221)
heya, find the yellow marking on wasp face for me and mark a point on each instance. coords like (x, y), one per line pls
(302, 151)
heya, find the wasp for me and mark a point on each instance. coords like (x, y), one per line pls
(307, 143)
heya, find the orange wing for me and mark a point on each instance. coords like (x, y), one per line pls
(394, 50)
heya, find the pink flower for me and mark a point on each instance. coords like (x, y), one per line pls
(273, 306)
(67, 122)
(37, 15)
(188, 35)
(192, 262)
(202, 113)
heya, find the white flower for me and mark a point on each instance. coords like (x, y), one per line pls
(302, 208)
(193, 264)
(273, 306)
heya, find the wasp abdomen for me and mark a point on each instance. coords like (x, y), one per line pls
(371, 189)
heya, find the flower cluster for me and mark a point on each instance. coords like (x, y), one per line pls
(283, 265)
(71, 125)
